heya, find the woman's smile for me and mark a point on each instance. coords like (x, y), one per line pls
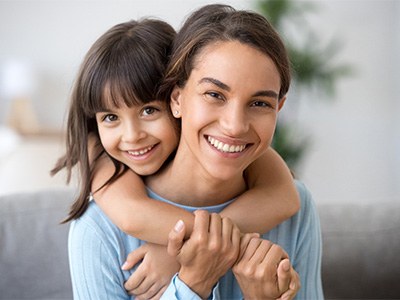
(226, 147)
(229, 110)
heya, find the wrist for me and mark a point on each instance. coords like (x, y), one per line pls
(202, 287)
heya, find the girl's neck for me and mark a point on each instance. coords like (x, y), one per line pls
(186, 184)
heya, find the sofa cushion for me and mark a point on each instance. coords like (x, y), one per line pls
(33, 245)
(361, 244)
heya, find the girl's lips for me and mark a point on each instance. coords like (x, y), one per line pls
(141, 151)
(141, 154)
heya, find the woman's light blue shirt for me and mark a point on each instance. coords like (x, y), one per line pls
(97, 249)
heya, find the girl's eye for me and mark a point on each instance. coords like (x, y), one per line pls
(147, 111)
(110, 118)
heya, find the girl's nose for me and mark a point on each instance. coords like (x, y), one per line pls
(234, 120)
(133, 133)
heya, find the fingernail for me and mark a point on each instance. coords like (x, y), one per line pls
(125, 266)
(286, 266)
(179, 226)
(292, 285)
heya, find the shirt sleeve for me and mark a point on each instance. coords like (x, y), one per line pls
(178, 290)
(94, 266)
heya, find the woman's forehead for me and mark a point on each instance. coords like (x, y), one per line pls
(234, 62)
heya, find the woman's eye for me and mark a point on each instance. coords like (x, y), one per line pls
(214, 95)
(262, 104)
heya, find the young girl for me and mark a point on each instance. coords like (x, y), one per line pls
(113, 105)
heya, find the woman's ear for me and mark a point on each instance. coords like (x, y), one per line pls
(175, 103)
(281, 103)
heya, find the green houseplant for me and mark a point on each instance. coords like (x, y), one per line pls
(313, 68)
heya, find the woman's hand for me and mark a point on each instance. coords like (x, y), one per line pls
(208, 254)
(263, 270)
(154, 273)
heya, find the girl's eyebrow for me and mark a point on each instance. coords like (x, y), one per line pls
(262, 93)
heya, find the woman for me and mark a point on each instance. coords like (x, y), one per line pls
(228, 78)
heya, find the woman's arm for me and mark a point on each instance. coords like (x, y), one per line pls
(271, 197)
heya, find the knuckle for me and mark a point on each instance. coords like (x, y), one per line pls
(215, 246)
(248, 271)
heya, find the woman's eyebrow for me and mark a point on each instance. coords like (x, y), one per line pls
(266, 93)
(262, 93)
(216, 82)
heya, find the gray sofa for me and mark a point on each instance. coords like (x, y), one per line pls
(361, 248)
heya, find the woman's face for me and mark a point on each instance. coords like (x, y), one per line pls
(142, 137)
(229, 107)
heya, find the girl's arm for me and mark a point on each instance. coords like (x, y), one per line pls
(271, 198)
(127, 204)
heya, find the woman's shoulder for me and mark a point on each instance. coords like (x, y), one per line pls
(308, 211)
(93, 223)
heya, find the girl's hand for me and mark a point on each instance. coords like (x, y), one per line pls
(263, 270)
(211, 250)
(154, 273)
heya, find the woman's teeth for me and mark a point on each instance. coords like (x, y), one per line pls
(225, 147)
(140, 152)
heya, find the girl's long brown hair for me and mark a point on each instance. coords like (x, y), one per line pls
(130, 60)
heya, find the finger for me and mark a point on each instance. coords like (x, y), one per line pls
(284, 275)
(244, 243)
(142, 288)
(175, 238)
(148, 293)
(215, 235)
(235, 238)
(134, 257)
(227, 228)
(159, 293)
(294, 286)
(134, 281)
(201, 224)
(252, 246)
(261, 252)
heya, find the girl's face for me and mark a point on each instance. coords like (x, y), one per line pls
(142, 137)
(229, 107)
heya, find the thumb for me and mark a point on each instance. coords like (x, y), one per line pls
(134, 257)
(284, 275)
(175, 238)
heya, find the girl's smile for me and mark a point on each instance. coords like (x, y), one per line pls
(142, 136)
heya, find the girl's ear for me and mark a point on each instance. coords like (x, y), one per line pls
(175, 103)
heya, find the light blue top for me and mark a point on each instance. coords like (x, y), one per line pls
(97, 249)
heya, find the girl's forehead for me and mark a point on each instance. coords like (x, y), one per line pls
(114, 96)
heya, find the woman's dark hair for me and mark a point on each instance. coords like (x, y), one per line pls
(123, 67)
(216, 23)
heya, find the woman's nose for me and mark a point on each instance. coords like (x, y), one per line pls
(234, 121)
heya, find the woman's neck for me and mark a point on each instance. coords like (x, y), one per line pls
(186, 184)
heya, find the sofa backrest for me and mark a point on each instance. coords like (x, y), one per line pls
(33, 245)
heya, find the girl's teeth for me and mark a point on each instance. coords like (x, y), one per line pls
(141, 152)
(225, 147)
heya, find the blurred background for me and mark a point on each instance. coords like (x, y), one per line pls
(343, 118)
